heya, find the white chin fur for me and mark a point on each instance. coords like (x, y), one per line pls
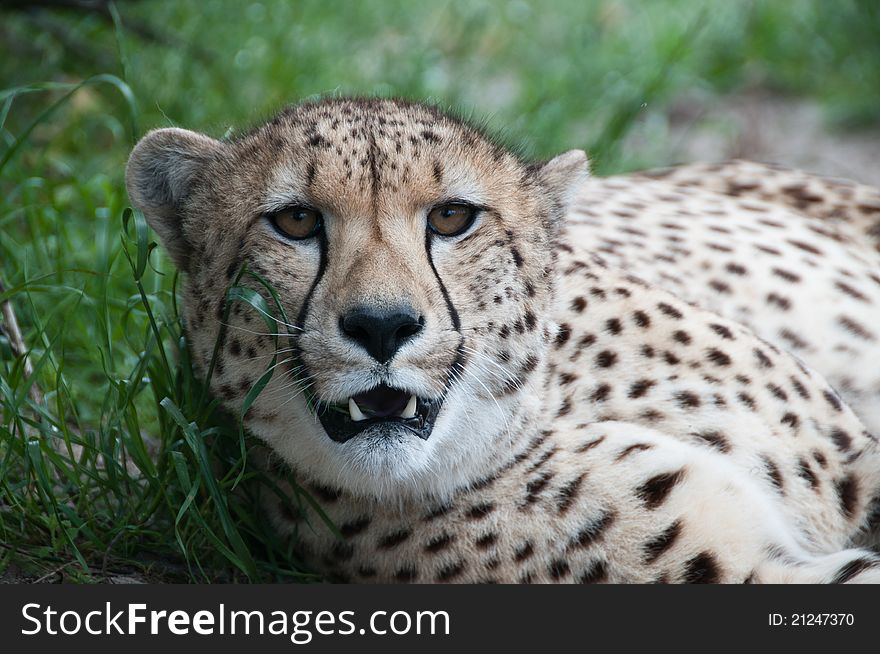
(468, 435)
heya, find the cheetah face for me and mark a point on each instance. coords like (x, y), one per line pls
(412, 258)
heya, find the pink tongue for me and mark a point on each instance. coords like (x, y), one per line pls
(382, 401)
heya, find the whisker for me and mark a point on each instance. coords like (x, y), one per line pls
(279, 321)
(279, 390)
(271, 354)
(280, 363)
(295, 395)
(501, 412)
(506, 375)
(251, 331)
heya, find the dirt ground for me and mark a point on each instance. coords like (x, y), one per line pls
(765, 127)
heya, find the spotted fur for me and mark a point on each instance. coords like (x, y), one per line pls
(793, 256)
(631, 389)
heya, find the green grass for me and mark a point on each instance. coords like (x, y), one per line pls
(113, 459)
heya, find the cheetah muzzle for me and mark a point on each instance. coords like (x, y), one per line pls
(492, 369)
(383, 410)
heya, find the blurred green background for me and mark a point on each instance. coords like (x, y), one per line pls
(553, 75)
(94, 470)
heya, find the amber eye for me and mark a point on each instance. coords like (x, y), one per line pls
(296, 222)
(451, 219)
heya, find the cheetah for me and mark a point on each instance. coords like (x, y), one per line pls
(474, 387)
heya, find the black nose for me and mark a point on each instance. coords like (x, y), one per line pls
(381, 332)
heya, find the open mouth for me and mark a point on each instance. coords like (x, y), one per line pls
(382, 405)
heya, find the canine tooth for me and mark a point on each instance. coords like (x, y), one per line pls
(409, 410)
(355, 411)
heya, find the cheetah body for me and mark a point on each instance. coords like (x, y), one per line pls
(793, 256)
(594, 426)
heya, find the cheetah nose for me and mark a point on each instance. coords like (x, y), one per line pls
(381, 332)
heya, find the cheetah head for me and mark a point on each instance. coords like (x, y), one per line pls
(413, 260)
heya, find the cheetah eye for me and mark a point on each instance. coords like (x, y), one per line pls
(451, 219)
(296, 223)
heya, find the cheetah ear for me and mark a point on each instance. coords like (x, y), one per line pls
(563, 175)
(159, 177)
